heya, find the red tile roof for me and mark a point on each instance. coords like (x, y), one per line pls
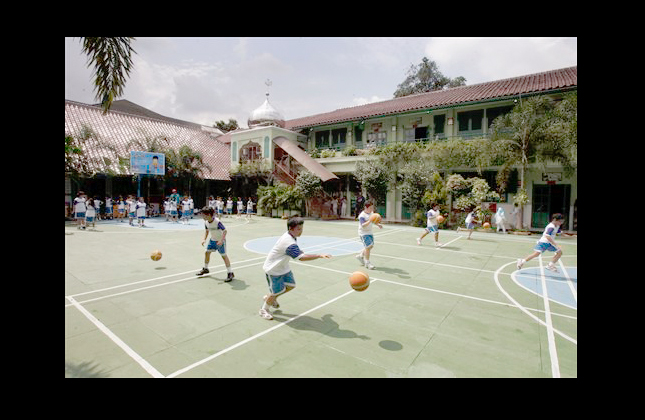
(565, 78)
(117, 129)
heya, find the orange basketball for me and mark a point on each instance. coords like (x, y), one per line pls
(359, 281)
(440, 219)
(156, 255)
(486, 225)
(375, 218)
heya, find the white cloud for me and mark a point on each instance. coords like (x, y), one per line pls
(485, 59)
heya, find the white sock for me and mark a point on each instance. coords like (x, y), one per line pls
(229, 269)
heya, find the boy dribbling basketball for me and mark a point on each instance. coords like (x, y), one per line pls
(547, 243)
(276, 266)
(216, 243)
(365, 233)
(432, 225)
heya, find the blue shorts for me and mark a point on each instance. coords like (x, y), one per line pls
(368, 240)
(470, 226)
(80, 215)
(545, 246)
(173, 212)
(278, 284)
(89, 219)
(212, 246)
(431, 228)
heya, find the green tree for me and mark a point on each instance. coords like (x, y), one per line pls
(185, 163)
(309, 185)
(374, 177)
(536, 130)
(226, 126)
(426, 77)
(112, 60)
(470, 193)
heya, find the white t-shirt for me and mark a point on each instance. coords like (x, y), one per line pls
(277, 262)
(215, 228)
(549, 230)
(432, 217)
(141, 209)
(79, 205)
(91, 211)
(362, 218)
(470, 217)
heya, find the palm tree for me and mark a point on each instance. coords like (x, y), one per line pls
(185, 162)
(112, 59)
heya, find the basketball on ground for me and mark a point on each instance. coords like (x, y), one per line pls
(359, 281)
(486, 225)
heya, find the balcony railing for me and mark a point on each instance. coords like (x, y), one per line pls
(439, 137)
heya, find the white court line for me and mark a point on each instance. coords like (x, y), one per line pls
(134, 355)
(155, 373)
(160, 284)
(241, 343)
(159, 278)
(260, 334)
(522, 308)
(553, 352)
(574, 292)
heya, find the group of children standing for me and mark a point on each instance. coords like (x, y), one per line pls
(176, 208)
(218, 206)
(88, 209)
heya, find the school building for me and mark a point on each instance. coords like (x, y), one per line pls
(285, 146)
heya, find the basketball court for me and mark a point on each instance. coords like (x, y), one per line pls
(462, 310)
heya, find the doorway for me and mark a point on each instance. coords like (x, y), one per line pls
(547, 200)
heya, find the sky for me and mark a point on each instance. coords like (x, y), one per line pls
(204, 80)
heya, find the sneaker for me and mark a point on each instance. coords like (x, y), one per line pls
(520, 263)
(360, 259)
(551, 267)
(418, 241)
(229, 277)
(204, 271)
(438, 244)
(265, 314)
(369, 266)
(275, 305)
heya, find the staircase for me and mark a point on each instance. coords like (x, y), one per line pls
(284, 174)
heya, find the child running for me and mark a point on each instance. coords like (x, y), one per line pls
(432, 226)
(217, 242)
(365, 232)
(471, 219)
(547, 243)
(276, 267)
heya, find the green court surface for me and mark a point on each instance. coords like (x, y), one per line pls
(461, 310)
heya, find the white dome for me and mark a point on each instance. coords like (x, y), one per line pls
(265, 115)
